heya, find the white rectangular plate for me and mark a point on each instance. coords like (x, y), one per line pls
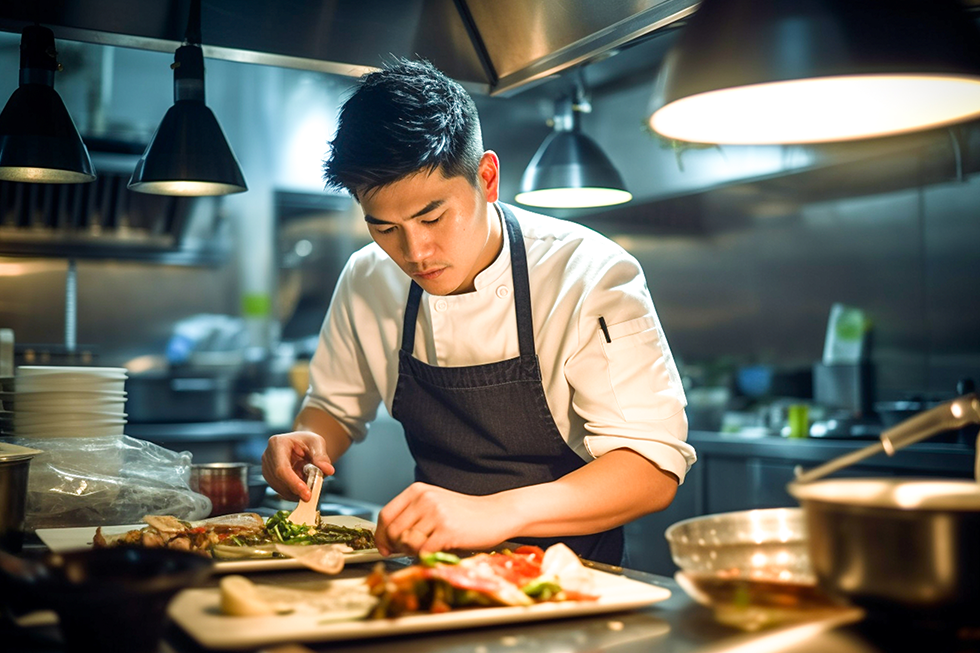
(197, 612)
(60, 540)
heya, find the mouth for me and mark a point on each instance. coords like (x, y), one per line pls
(428, 275)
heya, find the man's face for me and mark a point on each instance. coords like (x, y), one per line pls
(441, 232)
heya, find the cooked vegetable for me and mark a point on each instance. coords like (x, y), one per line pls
(443, 582)
(278, 529)
(242, 535)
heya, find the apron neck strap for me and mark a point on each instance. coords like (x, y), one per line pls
(522, 292)
(522, 286)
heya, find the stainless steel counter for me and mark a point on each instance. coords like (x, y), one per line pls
(677, 625)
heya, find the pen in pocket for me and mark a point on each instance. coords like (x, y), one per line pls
(605, 330)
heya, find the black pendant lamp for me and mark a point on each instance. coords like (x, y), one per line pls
(810, 71)
(570, 170)
(189, 154)
(38, 140)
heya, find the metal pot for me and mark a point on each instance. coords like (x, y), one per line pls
(901, 548)
(15, 462)
(897, 546)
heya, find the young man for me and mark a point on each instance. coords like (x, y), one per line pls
(521, 354)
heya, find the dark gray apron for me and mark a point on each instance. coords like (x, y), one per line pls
(487, 428)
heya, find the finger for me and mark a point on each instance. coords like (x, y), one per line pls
(381, 541)
(270, 471)
(325, 464)
(405, 521)
(397, 505)
(433, 544)
(411, 541)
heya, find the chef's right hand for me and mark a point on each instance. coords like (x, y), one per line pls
(284, 458)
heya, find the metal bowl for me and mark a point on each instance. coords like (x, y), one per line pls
(763, 545)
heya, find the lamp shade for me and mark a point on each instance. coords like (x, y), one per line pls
(188, 155)
(38, 140)
(809, 71)
(570, 170)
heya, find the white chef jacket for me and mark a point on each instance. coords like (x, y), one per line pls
(603, 395)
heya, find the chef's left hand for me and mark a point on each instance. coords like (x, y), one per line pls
(430, 518)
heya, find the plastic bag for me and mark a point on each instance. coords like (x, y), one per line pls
(105, 481)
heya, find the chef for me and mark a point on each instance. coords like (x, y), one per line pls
(522, 354)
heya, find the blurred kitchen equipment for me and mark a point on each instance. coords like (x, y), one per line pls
(845, 342)
(306, 511)
(798, 416)
(194, 380)
(768, 544)
(6, 352)
(950, 415)
(105, 599)
(278, 406)
(847, 388)
(180, 395)
(226, 484)
(900, 548)
(15, 462)
(752, 567)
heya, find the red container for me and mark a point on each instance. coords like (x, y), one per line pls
(226, 484)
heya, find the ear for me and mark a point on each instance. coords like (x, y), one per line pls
(489, 175)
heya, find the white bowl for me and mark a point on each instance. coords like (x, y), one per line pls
(104, 372)
(74, 432)
(66, 405)
(67, 419)
(60, 395)
(58, 384)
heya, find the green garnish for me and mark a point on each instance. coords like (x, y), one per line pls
(542, 589)
(432, 559)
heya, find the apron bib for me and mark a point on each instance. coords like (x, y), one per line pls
(487, 428)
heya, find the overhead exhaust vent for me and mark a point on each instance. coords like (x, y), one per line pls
(104, 219)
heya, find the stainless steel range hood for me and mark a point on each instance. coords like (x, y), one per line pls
(494, 46)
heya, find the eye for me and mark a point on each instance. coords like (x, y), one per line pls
(384, 230)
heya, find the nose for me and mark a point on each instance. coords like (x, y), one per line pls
(417, 246)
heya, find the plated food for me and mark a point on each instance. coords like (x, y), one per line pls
(237, 536)
(322, 608)
(440, 582)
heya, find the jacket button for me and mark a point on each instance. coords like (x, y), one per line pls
(503, 292)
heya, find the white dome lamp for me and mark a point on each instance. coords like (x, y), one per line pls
(812, 71)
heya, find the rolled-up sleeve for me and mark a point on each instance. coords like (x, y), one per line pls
(626, 388)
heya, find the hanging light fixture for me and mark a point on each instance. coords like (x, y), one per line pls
(189, 154)
(570, 170)
(38, 140)
(810, 71)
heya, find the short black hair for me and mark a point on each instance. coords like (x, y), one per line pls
(403, 119)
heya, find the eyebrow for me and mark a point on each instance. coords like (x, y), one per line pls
(431, 206)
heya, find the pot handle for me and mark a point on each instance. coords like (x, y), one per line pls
(951, 415)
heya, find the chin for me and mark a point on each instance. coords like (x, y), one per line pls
(439, 287)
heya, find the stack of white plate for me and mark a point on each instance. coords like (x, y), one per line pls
(58, 401)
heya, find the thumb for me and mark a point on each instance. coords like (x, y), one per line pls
(323, 462)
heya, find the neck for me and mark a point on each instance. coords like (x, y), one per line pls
(491, 249)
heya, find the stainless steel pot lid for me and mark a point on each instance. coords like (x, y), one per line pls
(10, 453)
(894, 493)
